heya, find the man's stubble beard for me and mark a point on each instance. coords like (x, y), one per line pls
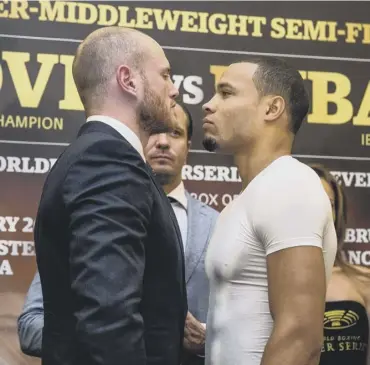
(210, 144)
(164, 178)
(153, 113)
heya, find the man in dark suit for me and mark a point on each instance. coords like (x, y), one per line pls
(167, 154)
(108, 246)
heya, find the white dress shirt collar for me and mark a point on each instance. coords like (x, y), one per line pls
(179, 195)
(122, 129)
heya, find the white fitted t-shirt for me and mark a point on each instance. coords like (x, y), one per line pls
(283, 206)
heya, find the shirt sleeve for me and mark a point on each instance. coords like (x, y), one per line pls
(293, 213)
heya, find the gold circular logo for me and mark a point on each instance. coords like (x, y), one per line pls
(339, 319)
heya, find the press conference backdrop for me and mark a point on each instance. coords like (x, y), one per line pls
(40, 111)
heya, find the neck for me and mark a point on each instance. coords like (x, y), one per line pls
(172, 185)
(252, 161)
(127, 117)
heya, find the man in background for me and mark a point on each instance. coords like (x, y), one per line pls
(166, 153)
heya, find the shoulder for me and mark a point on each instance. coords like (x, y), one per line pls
(98, 159)
(102, 150)
(98, 137)
(292, 194)
(201, 208)
(364, 270)
(289, 181)
(360, 273)
(291, 170)
(103, 143)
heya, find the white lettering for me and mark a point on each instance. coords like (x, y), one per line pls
(223, 173)
(192, 93)
(213, 199)
(198, 173)
(226, 199)
(354, 257)
(356, 179)
(5, 268)
(365, 258)
(210, 173)
(361, 180)
(8, 224)
(350, 235)
(359, 257)
(26, 165)
(209, 199)
(357, 235)
(203, 198)
(186, 172)
(17, 248)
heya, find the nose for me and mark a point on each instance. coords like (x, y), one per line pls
(208, 107)
(174, 92)
(162, 141)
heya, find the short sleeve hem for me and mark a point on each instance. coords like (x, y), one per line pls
(294, 242)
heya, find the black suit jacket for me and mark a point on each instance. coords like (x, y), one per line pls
(110, 258)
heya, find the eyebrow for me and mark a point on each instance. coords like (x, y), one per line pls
(178, 127)
(224, 85)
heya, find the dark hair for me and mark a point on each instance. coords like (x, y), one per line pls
(276, 77)
(189, 119)
(340, 206)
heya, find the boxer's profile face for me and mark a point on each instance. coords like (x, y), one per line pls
(232, 115)
(158, 93)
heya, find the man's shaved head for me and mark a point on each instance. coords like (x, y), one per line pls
(123, 72)
(99, 55)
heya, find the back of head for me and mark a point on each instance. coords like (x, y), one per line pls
(98, 57)
(276, 77)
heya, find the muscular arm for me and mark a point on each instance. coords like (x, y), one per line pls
(31, 320)
(298, 234)
(297, 287)
(108, 197)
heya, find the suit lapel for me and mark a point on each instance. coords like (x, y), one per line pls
(172, 214)
(198, 230)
